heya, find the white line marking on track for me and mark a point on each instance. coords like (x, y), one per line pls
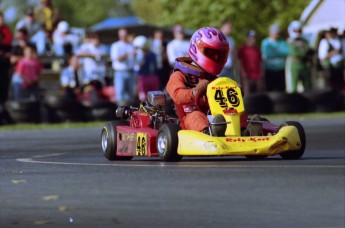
(177, 165)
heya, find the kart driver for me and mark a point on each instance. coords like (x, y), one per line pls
(208, 52)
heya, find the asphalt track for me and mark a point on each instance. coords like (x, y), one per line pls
(59, 178)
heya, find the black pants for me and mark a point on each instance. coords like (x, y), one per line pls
(4, 78)
(336, 77)
(275, 80)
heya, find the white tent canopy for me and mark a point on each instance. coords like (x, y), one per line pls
(322, 15)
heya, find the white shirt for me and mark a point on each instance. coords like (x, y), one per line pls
(177, 48)
(94, 70)
(324, 48)
(118, 49)
(157, 48)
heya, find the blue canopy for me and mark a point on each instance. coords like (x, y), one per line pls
(117, 22)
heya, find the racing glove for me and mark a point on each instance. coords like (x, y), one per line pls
(200, 87)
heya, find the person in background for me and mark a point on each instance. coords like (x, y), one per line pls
(122, 54)
(158, 47)
(20, 41)
(26, 77)
(5, 52)
(92, 55)
(148, 79)
(250, 63)
(35, 30)
(296, 68)
(331, 59)
(274, 51)
(178, 47)
(229, 67)
(64, 43)
(47, 15)
(71, 78)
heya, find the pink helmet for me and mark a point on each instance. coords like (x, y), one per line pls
(209, 48)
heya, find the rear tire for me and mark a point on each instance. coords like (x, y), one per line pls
(109, 140)
(296, 154)
(167, 142)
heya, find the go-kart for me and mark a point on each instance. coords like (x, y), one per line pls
(148, 131)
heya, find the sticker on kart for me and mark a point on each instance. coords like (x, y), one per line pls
(141, 145)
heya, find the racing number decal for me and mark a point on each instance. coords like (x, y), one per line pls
(231, 97)
(141, 145)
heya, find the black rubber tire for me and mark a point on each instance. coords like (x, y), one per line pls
(258, 103)
(104, 114)
(109, 132)
(25, 111)
(167, 134)
(297, 154)
(256, 157)
(288, 102)
(323, 100)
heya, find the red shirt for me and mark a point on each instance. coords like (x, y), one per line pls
(250, 57)
(5, 35)
(29, 69)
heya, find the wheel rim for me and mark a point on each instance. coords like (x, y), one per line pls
(162, 143)
(104, 140)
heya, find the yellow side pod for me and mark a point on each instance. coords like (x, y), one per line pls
(193, 143)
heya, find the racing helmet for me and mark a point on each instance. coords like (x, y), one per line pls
(209, 49)
(294, 29)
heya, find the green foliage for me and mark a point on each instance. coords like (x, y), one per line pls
(84, 13)
(245, 14)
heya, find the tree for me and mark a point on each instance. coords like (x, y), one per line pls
(245, 14)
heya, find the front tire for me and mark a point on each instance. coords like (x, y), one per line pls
(167, 142)
(109, 140)
(296, 154)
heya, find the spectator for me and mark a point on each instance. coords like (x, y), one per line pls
(250, 63)
(331, 59)
(26, 77)
(21, 40)
(297, 61)
(5, 50)
(123, 57)
(178, 47)
(47, 15)
(35, 30)
(148, 79)
(92, 55)
(64, 43)
(71, 77)
(228, 70)
(159, 48)
(274, 51)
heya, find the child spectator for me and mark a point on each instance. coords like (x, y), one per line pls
(148, 79)
(26, 77)
(249, 56)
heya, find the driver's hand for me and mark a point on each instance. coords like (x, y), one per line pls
(200, 87)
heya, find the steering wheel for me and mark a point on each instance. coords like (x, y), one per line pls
(201, 102)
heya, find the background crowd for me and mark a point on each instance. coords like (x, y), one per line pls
(139, 64)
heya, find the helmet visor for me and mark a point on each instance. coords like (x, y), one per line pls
(216, 55)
